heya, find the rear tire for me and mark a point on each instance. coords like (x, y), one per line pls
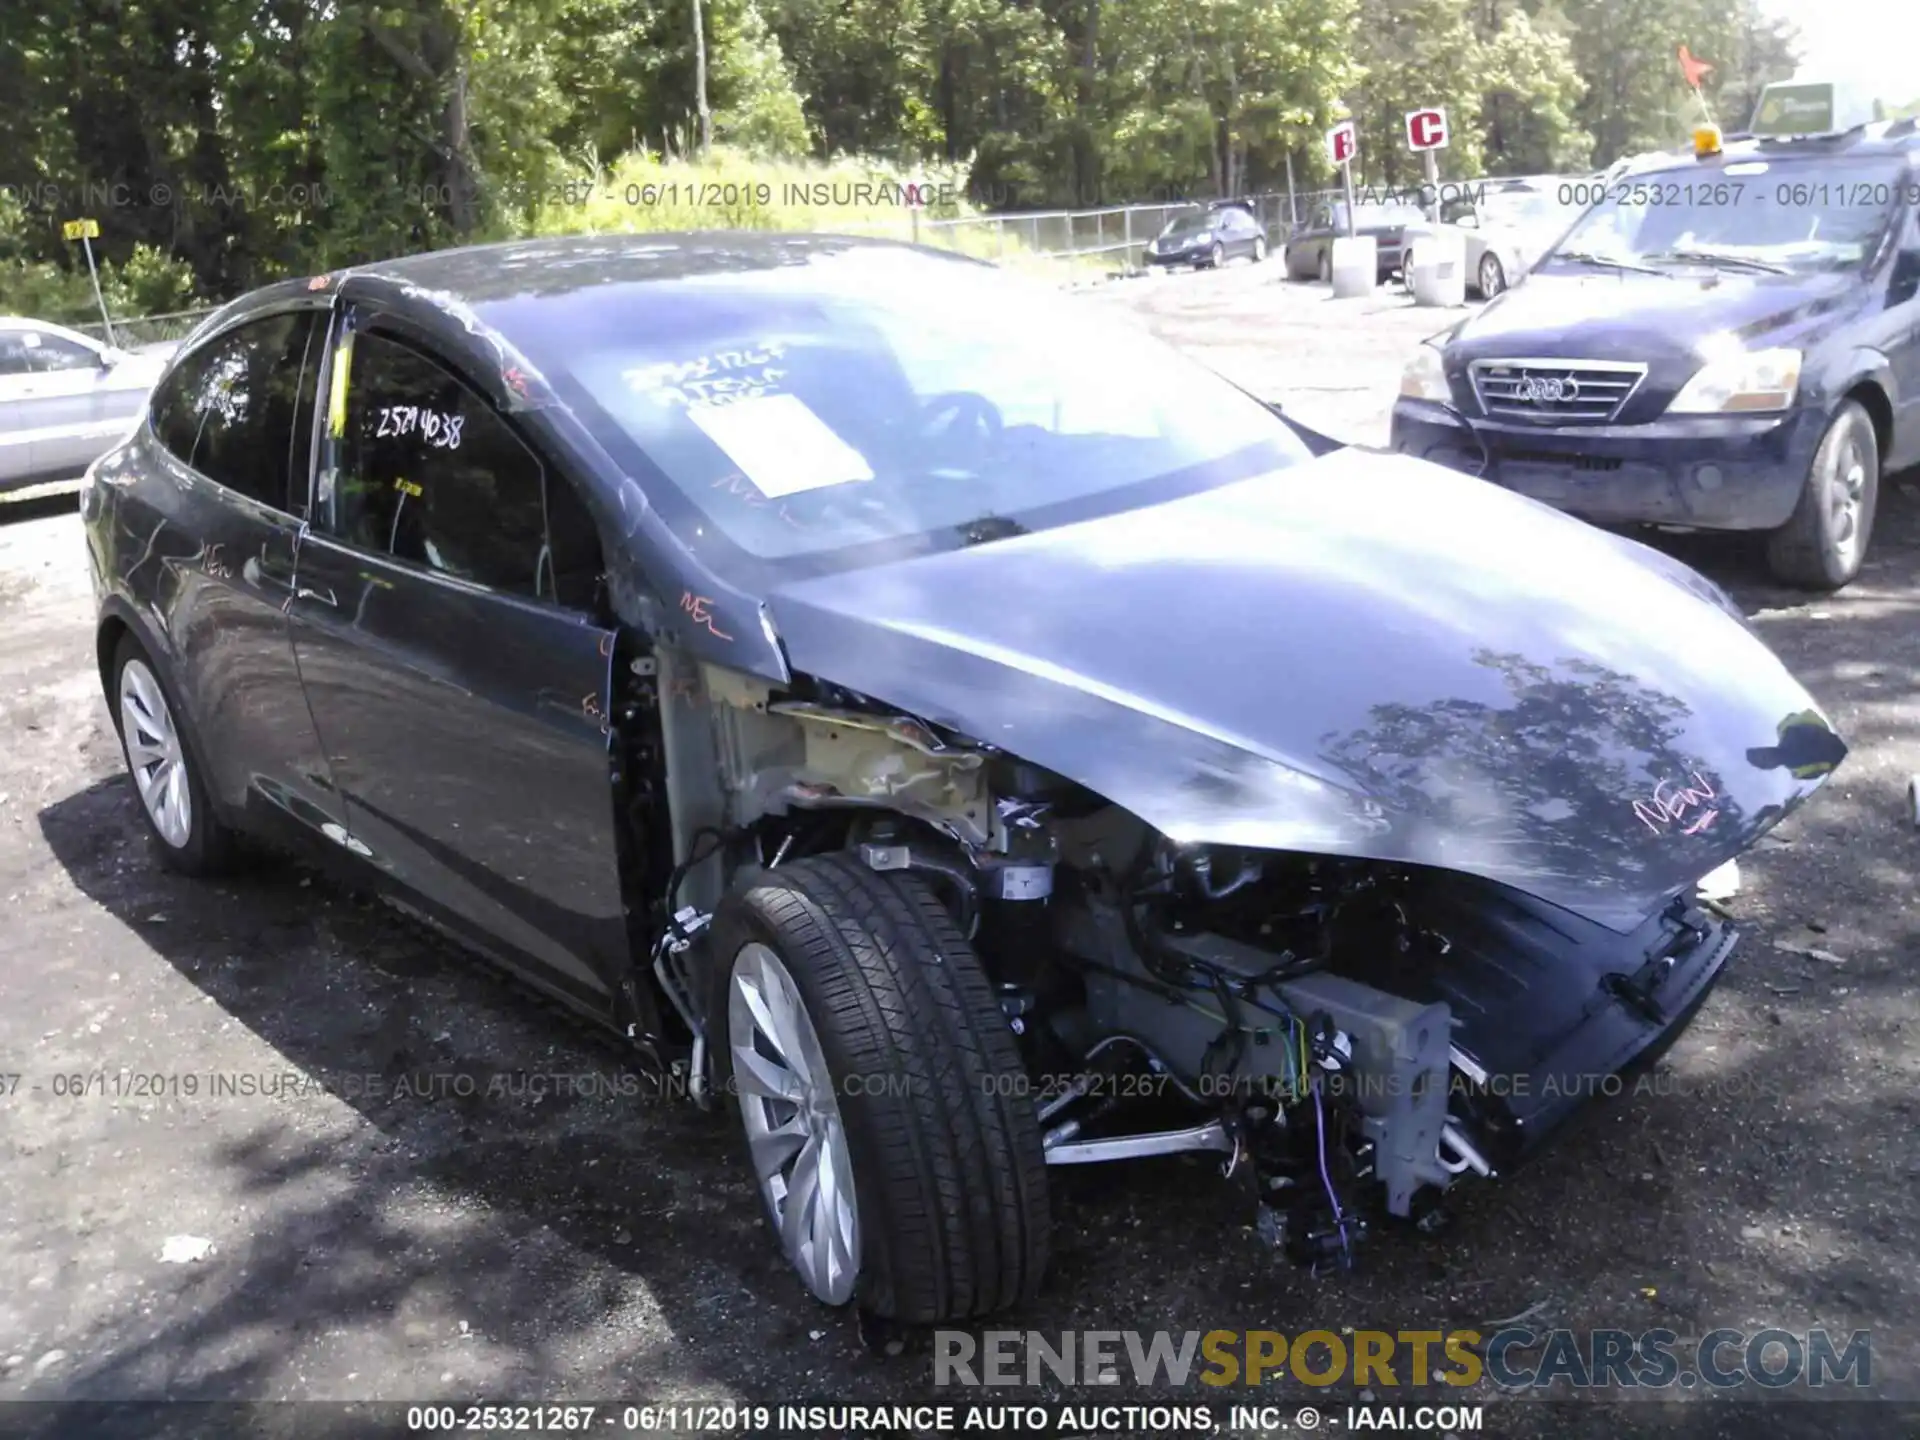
(937, 1125)
(163, 764)
(1823, 545)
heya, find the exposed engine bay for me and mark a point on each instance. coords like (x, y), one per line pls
(1351, 1037)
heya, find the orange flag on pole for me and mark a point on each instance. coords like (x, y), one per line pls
(1694, 70)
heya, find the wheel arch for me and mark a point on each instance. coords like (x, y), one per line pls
(119, 619)
(1873, 398)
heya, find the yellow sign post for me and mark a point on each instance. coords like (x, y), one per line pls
(86, 232)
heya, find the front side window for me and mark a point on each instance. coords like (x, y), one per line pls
(47, 353)
(429, 473)
(235, 408)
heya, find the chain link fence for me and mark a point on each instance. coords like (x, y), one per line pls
(1108, 240)
(146, 331)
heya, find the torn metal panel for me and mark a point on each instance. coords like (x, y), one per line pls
(774, 757)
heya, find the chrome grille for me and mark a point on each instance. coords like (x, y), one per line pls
(1589, 391)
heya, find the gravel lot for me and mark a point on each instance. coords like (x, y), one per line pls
(370, 1241)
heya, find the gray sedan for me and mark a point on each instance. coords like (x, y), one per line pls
(64, 399)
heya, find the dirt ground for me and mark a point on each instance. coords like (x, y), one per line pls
(279, 1193)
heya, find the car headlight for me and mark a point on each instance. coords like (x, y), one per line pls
(1757, 380)
(1425, 378)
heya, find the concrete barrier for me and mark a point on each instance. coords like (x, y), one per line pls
(1356, 266)
(1437, 273)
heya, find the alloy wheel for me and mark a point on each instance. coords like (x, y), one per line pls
(795, 1134)
(1846, 487)
(1493, 279)
(155, 754)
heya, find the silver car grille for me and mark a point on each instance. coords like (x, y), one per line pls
(1547, 390)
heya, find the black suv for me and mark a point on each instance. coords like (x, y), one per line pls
(1724, 341)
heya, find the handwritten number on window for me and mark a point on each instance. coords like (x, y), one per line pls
(439, 429)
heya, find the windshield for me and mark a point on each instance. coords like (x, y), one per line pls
(1803, 216)
(882, 402)
(1191, 224)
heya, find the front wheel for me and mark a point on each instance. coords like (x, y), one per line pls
(1822, 546)
(1493, 278)
(1259, 249)
(886, 1110)
(161, 761)
(1326, 268)
(1217, 256)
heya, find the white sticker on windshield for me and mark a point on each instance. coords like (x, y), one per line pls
(780, 445)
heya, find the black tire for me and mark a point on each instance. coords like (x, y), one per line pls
(1217, 256)
(942, 1133)
(209, 847)
(1259, 249)
(1825, 542)
(1492, 278)
(1326, 267)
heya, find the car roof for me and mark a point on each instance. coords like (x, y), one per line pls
(22, 322)
(477, 275)
(1881, 138)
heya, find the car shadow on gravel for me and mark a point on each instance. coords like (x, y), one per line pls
(514, 1172)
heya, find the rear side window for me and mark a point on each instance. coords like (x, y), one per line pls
(13, 353)
(240, 409)
(429, 473)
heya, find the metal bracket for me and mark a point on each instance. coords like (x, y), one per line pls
(1210, 1136)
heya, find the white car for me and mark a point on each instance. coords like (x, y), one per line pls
(1506, 231)
(65, 399)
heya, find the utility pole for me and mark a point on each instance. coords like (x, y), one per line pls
(700, 80)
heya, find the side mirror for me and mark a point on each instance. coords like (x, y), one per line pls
(111, 356)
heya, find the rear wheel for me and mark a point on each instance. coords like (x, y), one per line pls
(882, 1096)
(1823, 545)
(161, 761)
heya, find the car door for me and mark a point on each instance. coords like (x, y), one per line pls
(1240, 233)
(463, 706)
(231, 433)
(68, 376)
(16, 419)
(1899, 331)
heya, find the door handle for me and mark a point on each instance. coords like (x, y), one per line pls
(325, 597)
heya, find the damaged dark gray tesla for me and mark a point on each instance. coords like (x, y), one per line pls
(941, 726)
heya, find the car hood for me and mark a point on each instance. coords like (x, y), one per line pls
(1362, 655)
(1629, 317)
